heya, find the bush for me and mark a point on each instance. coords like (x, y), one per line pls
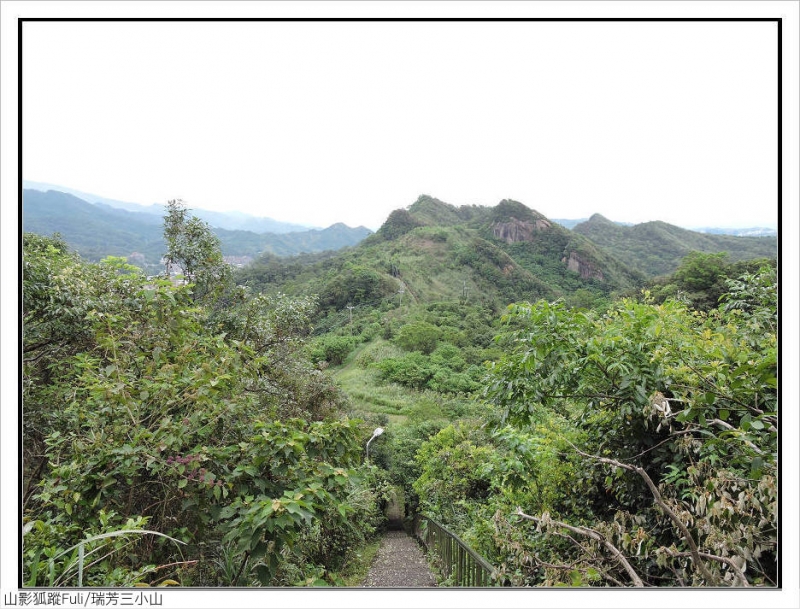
(450, 356)
(332, 349)
(323, 548)
(413, 370)
(418, 336)
(419, 371)
(143, 413)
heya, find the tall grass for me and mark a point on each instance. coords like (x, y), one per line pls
(80, 556)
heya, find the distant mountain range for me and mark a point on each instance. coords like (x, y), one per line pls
(756, 231)
(656, 248)
(233, 220)
(610, 254)
(96, 230)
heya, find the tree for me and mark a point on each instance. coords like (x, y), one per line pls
(193, 247)
(702, 279)
(672, 432)
(59, 296)
(144, 421)
(699, 272)
(418, 336)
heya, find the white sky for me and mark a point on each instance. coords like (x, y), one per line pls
(324, 122)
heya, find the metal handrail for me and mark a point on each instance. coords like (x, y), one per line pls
(456, 559)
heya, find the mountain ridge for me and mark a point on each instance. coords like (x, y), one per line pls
(234, 220)
(656, 247)
(98, 230)
(431, 250)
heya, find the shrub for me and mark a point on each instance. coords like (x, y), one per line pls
(146, 414)
(332, 349)
(418, 336)
(377, 352)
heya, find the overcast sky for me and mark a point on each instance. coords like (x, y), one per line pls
(323, 122)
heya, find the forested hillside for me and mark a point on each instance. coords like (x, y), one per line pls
(435, 251)
(656, 248)
(576, 422)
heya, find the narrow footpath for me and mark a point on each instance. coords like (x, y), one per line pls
(400, 562)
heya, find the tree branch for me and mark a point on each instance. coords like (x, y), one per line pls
(730, 427)
(695, 552)
(591, 533)
(723, 559)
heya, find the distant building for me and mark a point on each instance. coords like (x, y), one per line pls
(238, 261)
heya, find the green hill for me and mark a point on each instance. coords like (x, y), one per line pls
(434, 251)
(656, 248)
(93, 231)
(232, 220)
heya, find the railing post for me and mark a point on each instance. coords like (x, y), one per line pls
(449, 542)
(445, 554)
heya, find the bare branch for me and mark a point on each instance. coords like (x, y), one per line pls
(723, 559)
(695, 552)
(575, 567)
(591, 533)
(677, 576)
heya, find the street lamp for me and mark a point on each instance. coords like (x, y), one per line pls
(378, 431)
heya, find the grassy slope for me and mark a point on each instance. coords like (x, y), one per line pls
(372, 398)
(367, 393)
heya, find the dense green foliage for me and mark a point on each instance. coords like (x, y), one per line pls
(149, 411)
(660, 420)
(440, 347)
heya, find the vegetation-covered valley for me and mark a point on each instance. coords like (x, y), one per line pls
(577, 420)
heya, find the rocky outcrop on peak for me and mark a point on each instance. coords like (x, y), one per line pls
(516, 230)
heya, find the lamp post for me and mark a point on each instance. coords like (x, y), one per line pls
(378, 431)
